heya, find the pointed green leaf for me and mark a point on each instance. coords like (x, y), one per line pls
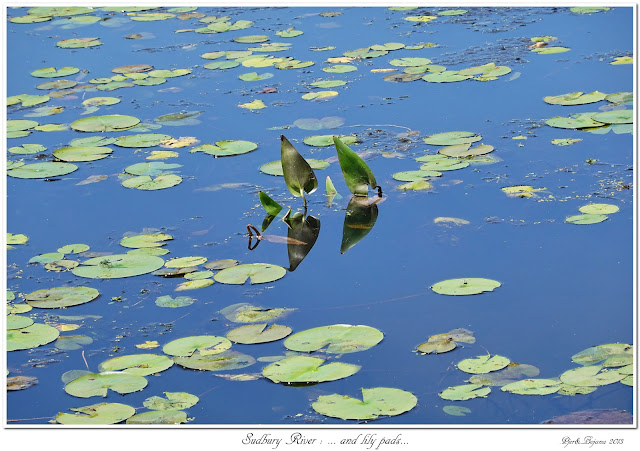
(356, 173)
(271, 206)
(298, 175)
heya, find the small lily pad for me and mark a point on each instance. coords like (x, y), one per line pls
(194, 284)
(247, 313)
(227, 360)
(98, 384)
(184, 262)
(226, 148)
(205, 345)
(303, 369)
(602, 209)
(614, 117)
(103, 413)
(138, 364)
(457, 287)
(61, 297)
(41, 170)
(18, 322)
(142, 140)
(483, 364)
(465, 150)
(159, 417)
(464, 392)
(118, 266)
(456, 411)
(586, 219)
(30, 337)
(512, 373)
(575, 98)
(52, 72)
(147, 183)
(338, 339)
(375, 402)
(77, 153)
(258, 333)
(173, 401)
(533, 387)
(256, 272)
(599, 353)
(179, 301)
(327, 140)
(591, 376)
(108, 123)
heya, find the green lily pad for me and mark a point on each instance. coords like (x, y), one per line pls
(453, 12)
(146, 183)
(512, 373)
(319, 95)
(289, 33)
(184, 262)
(483, 364)
(533, 387)
(61, 297)
(456, 411)
(338, 338)
(465, 150)
(199, 275)
(623, 360)
(254, 76)
(575, 98)
(586, 219)
(159, 417)
(564, 142)
(256, 272)
(194, 284)
(614, 117)
(168, 73)
(16, 238)
(205, 345)
(145, 241)
(173, 401)
(27, 149)
(102, 413)
(464, 392)
(98, 384)
(572, 390)
(550, 50)
(444, 164)
(227, 360)
(17, 125)
(78, 43)
(599, 353)
(247, 313)
(77, 153)
(52, 72)
(327, 140)
(412, 176)
(27, 100)
(591, 376)
(226, 148)
(92, 141)
(73, 248)
(258, 333)
(42, 170)
(118, 266)
(437, 346)
(72, 342)
(602, 209)
(340, 68)
(404, 62)
(13, 309)
(303, 369)
(458, 287)
(49, 257)
(139, 364)
(375, 402)
(30, 337)
(142, 140)
(108, 123)
(451, 138)
(18, 322)
(179, 301)
(325, 84)
(587, 9)
(149, 17)
(447, 76)
(620, 97)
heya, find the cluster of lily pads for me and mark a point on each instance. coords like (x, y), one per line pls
(618, 119)
(593, 214)
(600, 365)
(457, 153)
(541, 47)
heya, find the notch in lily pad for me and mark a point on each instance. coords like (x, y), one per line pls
(298, 175)
(356, 173)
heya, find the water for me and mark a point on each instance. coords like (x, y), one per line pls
(564, 287)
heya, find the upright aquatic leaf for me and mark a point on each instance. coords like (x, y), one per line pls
(298, 175)
(356, 173)
(271, 206)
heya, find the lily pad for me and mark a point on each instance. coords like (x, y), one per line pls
(179, 301)
(147, 183)
(159, 417)
(221, 264)
(458, 287)
(247, 313)
(514, 372)
(338, 339)
(437, 346)
(30, 337)
(205, 345)
(483, 364)
(194, 284)
(340, 68)
(226, 148)
(464, 392)
(173, 401)
(258, 333)
(447, 76)
(139, 364)
(16, 238)
(602, 209)
(256, 272)
(614, 117)
(564, 142)
(443, 164)
(456, 411)
(52, 72)
(61, 297)
(108, 123)
(411, 176)
(142, 140)
(103, 413)
(599, 353)
(27, 149)
(98, 384)
(41, 170)
(591, 376)
(465, 150)
(72, 342)
(18, 322)
(575, 98)
(375, 402)
(227, 360)
(533, 387)
(184, 262)
(325, 84)
(320, 95)
(77, 153)
(586, 219)
(327, 140)
(118, 266)
(303, 369)
(145, 241)
(78, 43)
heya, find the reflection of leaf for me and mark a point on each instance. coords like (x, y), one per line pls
(304, 230)
(359, 219)
(356, 172)
(298, 175)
